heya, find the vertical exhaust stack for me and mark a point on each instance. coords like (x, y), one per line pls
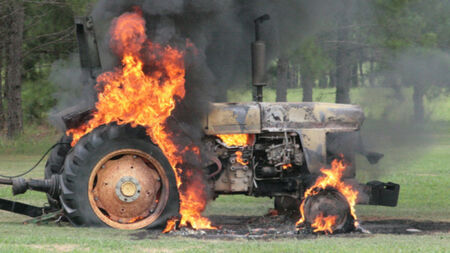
(87, 45)
(258, 60)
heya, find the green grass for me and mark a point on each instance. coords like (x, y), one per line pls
(421, 164)
(56, 239)
(416, 157)
(35, 140)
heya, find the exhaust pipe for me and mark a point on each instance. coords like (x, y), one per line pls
(258, 60)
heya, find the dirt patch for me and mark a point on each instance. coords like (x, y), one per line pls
(281, 226)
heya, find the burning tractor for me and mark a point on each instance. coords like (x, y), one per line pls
(117, 165)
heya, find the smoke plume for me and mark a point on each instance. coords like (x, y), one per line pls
(217, 36)
(221, 30)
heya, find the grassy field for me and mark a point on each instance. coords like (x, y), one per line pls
(39, 239)
(416, 157)
(422, 170)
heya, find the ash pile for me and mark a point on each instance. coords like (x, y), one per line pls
(269, 226)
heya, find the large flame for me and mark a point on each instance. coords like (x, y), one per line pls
(235, 139)
(331, 178)
(145, 95)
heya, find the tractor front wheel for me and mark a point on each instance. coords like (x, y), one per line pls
(329, 203)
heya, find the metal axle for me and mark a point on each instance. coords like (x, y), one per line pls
(21, 185)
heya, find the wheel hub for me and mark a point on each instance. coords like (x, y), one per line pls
(126, 189)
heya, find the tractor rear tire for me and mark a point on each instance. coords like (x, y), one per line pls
(55, 164)
(114, 171)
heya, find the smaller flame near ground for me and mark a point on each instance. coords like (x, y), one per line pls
(322, 223)
(171, 225)
(331, 178)
(235, 139)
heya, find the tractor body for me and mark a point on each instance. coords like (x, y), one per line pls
(115, 176)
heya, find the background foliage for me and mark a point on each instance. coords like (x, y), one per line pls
(399, 48)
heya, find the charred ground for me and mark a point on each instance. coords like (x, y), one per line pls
(423, 205)
(283, 226)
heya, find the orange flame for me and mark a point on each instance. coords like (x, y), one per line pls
(128, 95)
(193, 202)
(324, 223)
(286, 166)
(171, 225)
(330, 178)
(235, 139)
(132, 220)
(239, 158)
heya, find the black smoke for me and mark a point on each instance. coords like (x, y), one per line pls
(222, 31)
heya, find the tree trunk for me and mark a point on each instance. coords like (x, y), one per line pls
(343, 75)
(14, 69)
(419, 112)
(332, 79)
(292, 76)
(2, 55)
(343, 60)
(307, 84)
(361, 72)
(3, 27)
(282, 78)
(289, 77)
(355, 80)
(323, 81)
(297, 75)
(372, 74)
(396, 85)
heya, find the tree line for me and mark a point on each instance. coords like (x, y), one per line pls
(394, 43)
(387, 43)
(33, 35)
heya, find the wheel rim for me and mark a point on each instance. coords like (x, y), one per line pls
(128, 189)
